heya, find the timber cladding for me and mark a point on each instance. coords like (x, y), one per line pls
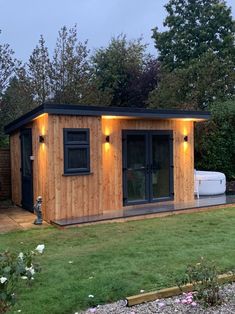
(183, 156)
(15, 155)
(70, 196)
(5, 174)
(76, 195)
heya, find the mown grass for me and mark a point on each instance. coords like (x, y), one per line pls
(111, 261)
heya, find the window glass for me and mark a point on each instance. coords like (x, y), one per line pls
(77, 157)
(76, 151)
(77, 136)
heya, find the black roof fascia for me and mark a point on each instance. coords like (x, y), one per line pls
(26, 118)
(82, 110)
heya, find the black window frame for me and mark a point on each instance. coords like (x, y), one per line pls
(76, 144)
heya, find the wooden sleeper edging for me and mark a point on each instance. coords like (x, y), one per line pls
(170, 292)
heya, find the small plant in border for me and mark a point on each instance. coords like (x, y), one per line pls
(12, 268)
(204, 278)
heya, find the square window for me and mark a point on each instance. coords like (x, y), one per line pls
(76, 151)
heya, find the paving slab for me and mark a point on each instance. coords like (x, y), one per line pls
(16, 218)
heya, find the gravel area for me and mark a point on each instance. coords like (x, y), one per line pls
(180, 304)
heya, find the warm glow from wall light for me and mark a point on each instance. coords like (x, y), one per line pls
(117, 117)
(109, 117)
(194, 119)
(40, 116)
(106, 146)
(185, 146)
(106, 131)
(43, 132)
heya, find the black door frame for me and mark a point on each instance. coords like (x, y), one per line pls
(26, 204)
(149, 162)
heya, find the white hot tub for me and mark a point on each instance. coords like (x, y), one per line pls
(209, 183)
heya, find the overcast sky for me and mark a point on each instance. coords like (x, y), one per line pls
(22, 21)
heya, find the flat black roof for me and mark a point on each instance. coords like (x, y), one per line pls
(81, 110)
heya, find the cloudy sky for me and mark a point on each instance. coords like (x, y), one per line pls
(22, 21)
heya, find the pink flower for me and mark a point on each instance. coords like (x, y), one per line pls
(177, 301)
(184, 301)
(92, 310)
(193, 303)
(161, 304)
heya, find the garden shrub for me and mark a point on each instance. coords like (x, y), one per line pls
(204, 278)
(12, 268)
(215, 140)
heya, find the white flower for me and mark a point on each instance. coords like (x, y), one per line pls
(30, 269)
(24, 277)
(90, 296)
(21, 255)
(3, 279)
(70, 262)
(40, 248)
(142, 291)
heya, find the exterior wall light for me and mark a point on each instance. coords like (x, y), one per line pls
(107, 139)
(186, 138)
(41, 139)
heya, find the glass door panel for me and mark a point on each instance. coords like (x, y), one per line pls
(26, 169)
(147, 166)
(160, 168)
(136, 162)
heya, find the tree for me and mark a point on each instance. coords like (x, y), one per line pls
(39, 71)
(17, 100)
(7, 66)
(70, 67)
(125, 72)
(204, 81)
(193, 28)
(215, 140)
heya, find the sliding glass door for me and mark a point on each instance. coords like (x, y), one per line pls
(147, 166)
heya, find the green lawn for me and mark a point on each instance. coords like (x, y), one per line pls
(111, 261)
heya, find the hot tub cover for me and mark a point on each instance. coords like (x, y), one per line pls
(209, 175)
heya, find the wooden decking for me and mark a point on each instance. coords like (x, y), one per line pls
(153, 210)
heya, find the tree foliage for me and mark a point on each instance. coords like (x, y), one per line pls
(125, 71)
(204, 81)
(215, 140)
(193, 28)
(7, 65)
(70, 67)
(16, 101)
(39, 71)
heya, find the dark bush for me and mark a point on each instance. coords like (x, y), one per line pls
(215, 141)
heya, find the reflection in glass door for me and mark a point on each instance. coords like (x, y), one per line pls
(161, 164)
(26, 169)
(136, 162)
(147, 166)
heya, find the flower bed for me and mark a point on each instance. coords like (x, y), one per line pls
(180, 304)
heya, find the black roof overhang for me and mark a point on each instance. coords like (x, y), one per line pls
(81, 110)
